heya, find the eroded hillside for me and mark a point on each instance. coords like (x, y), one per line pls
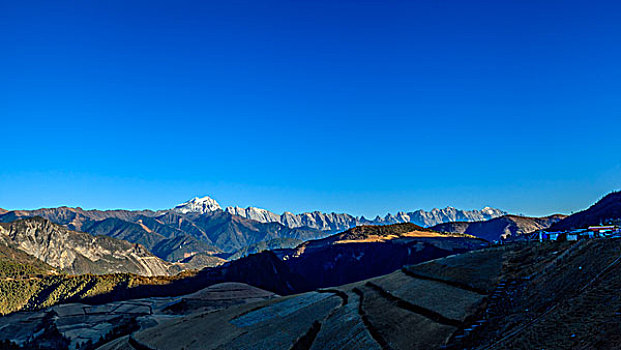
(79, 253)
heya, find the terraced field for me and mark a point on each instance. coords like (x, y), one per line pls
(396, 311)
(519, 296)
(74, 325)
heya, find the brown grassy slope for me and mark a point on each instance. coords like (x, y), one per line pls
(606, 210)
(551, 295)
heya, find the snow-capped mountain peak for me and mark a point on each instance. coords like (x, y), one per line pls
(198, 205)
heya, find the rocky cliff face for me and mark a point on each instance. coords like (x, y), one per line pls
(334, 222)
(450, 214)
(79, 253)
(253, 213)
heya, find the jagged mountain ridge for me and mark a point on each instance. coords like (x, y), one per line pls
(501, 227)
(230, 232)
(80, 253)
(335, 222)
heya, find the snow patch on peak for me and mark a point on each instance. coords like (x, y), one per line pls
(198, 205)
(258, 214)
(489, 210)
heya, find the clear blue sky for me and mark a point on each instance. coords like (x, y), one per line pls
(349, 106)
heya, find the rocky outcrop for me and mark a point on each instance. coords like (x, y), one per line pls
(253, 213)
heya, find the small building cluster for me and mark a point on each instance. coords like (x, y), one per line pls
(608, 231)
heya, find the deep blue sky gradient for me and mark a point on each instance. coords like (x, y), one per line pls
(348, 106)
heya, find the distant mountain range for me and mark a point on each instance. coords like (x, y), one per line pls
(199, 233)
(201, 227)
(334, 222)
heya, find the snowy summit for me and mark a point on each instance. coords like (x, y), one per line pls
(198, 205)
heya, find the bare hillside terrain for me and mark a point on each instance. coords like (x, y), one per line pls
(80, 253)
(605, 211)
(518, 296)
(500, 228)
